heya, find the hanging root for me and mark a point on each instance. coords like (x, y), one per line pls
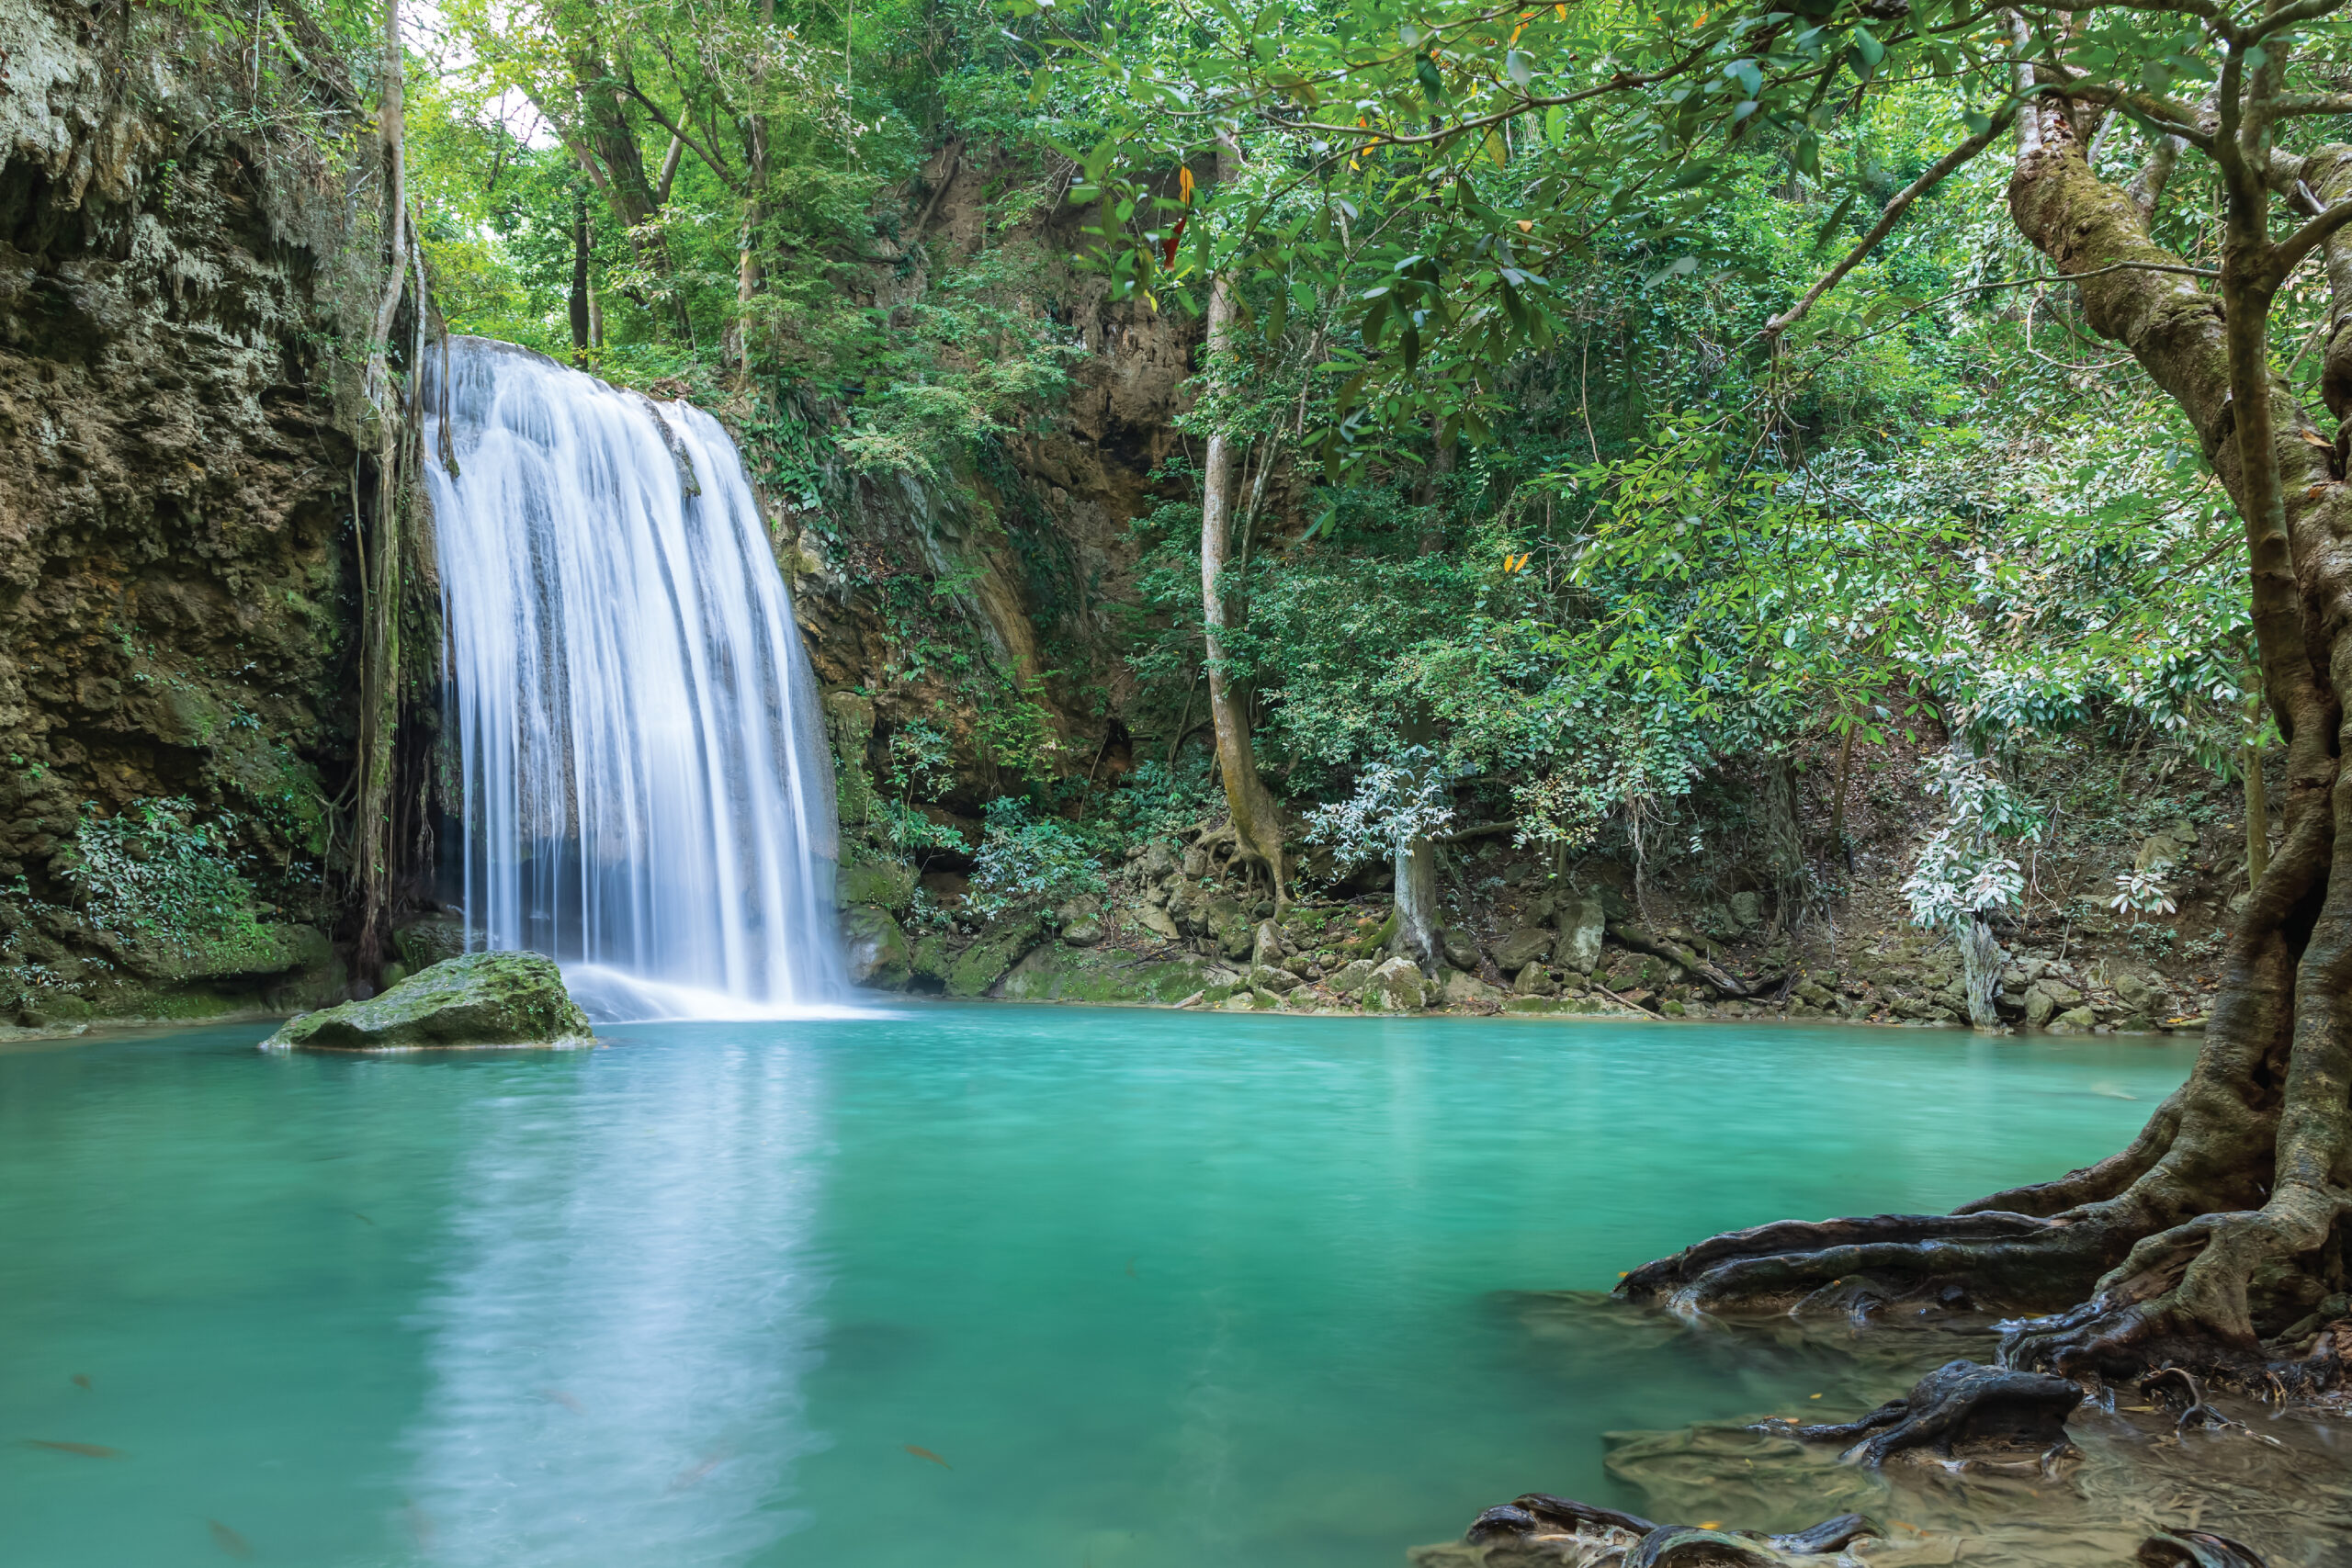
(1973, 1414)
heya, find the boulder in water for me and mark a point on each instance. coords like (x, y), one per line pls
(481, 1000)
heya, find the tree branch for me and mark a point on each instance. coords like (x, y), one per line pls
(717, 166)
(1896, 208)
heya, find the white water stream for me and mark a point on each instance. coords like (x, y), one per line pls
(646, 791)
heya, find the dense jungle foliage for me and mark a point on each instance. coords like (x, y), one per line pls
(1534, 499)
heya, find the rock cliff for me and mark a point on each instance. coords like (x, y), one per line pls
(179, 309)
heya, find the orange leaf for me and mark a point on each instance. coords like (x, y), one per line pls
(1185, 185)
(1526, 226)
(2317, 439)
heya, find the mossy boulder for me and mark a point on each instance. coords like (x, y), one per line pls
(884, 883)
(982, 964)
(876, 948)
(249, 949)
(1059, 973)
(482, 1000)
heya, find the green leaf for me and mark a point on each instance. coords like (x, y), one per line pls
(1518, 67)
(1432, 85)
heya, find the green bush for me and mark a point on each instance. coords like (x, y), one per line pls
(155, 871)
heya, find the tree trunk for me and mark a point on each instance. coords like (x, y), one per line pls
(380, 571)
(612, 141)
(1417, 925)
(2211, 1240)
(1980, 964)
(2258, 815)
(578, 300)
(1255, 822)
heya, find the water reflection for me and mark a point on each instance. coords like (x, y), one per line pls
(616, 1347)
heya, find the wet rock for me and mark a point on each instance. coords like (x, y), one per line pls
(1351, 979)
(1266, 978)
(2074, 1019)
(875, 950)
(1534, 980)
(480, 999)
(1395, 986)
(1581, 922)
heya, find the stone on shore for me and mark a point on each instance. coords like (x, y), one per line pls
(477, 1000)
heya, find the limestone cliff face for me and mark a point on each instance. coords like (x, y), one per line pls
(178, 306)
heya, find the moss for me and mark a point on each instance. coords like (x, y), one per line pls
(1057, 972)
(481, 999)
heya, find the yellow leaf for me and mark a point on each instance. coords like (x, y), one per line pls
(1526, 226)
(1561, 12)
(1185, 185)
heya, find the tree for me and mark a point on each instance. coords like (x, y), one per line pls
(1256, 824)
(2220, 1228)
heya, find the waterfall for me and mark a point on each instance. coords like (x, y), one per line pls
(641, 768)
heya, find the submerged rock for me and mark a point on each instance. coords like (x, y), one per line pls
(480, 999)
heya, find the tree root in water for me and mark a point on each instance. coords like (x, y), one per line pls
(1965, 1414)
(1540, 1528)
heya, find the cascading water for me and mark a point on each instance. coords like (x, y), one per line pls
(646, 791)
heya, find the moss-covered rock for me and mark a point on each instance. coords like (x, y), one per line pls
(1059, 972)
(480, 999)
(422, 943)
(884, 883)
(980, 966)
(876, 948)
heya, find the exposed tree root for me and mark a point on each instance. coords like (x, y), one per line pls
(1967, 1412)
(1560, 1530)
(2195, 1548)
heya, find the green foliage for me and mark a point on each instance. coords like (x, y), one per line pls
(1028, 861)
(155, 871)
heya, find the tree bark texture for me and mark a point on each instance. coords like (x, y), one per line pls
(1417, 935)
(1255, 822)
(2213, 1237)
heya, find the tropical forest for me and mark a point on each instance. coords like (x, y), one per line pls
(1151, 783)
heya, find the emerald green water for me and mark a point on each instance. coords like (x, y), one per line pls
(1160, 1290)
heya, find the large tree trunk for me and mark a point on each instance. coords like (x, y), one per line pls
(620, 167)
(1255, 822)
(578, 300)
(2215, 1236)
(1417, 925)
